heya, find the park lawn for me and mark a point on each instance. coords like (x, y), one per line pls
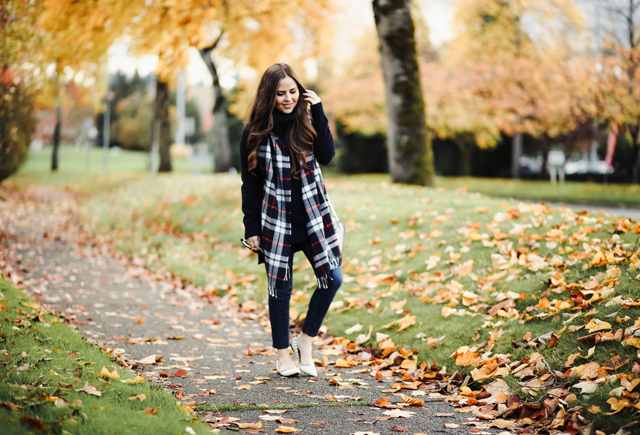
(44, 364)
(620, 195)
(425, 267)
(84, 172)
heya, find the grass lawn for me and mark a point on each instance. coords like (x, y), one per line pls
(84, 172)
(622, 195)
(45, 363)
(424, 266)
(471, 281)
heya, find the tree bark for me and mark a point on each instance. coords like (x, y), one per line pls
(634, 162)
(410, 152)
(466, 151)
(221, 146)
(56, 130)
(516, 153)
(162, 116)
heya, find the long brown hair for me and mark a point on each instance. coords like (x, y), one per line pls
(302, 135)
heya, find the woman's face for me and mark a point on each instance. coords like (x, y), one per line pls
(287, 95)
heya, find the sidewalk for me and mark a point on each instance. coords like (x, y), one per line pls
(214, 357)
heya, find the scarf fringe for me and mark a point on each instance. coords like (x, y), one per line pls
(323, 281)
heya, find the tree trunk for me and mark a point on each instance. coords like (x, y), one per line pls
(465, 156)
(221, 146)
(56, 130)
(410, 152)
(162, 116)
(634, 162)
(516, 152)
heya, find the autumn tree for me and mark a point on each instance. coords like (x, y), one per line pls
(493, 33)
(74, 37)
(242, 30)
(619, 72)
(17, 123)
(410, 152)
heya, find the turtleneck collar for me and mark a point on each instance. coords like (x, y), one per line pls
(281, 121)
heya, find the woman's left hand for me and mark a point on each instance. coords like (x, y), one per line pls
(311, 97)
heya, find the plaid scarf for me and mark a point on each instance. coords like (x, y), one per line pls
(276, 227)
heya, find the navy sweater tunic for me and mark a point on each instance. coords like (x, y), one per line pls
(253, 182)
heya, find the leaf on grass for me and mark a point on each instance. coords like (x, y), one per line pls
(151, 411)
(89, 389)
(38, 425)
(406, 321)
(140, 397)
(587, 387)
(597, 325)
(355, 328)
(286, 429)
(104, 373)
(594, 409)
(11, 406)
(467, 358)
(137, 380)
(617, 405)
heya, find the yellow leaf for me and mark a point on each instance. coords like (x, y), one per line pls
(594, 409)
(104, 373)
(257, 425)
(286, 429)
(341, 362)
(140, 397)
(467, 358)
(597, 325)
(137, 380)
(406, 321)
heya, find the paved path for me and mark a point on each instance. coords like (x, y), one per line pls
(223, 352)
(632, 213)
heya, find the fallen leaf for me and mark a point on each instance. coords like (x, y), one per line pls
(399, 413)
(89, 389)
(257, 425)
(140, 397)
(286, 429)
(151, 359)
(397, 428)
(181, 373)
(451, 425)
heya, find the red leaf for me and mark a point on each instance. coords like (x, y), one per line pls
(38, 425)
(180, 373)
(400, 428)
(11, 406)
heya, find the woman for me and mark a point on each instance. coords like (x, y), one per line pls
(285, 207)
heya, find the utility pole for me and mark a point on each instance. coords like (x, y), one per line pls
(105, 130)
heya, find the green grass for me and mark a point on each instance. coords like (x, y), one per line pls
(85, 173)
(623, 195)
(44, 359)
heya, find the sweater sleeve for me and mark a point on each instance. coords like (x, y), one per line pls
(252, 191)
(325, 147)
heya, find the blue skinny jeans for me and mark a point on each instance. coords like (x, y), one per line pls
(318, 305)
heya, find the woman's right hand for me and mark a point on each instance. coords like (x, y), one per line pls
(254, 242)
